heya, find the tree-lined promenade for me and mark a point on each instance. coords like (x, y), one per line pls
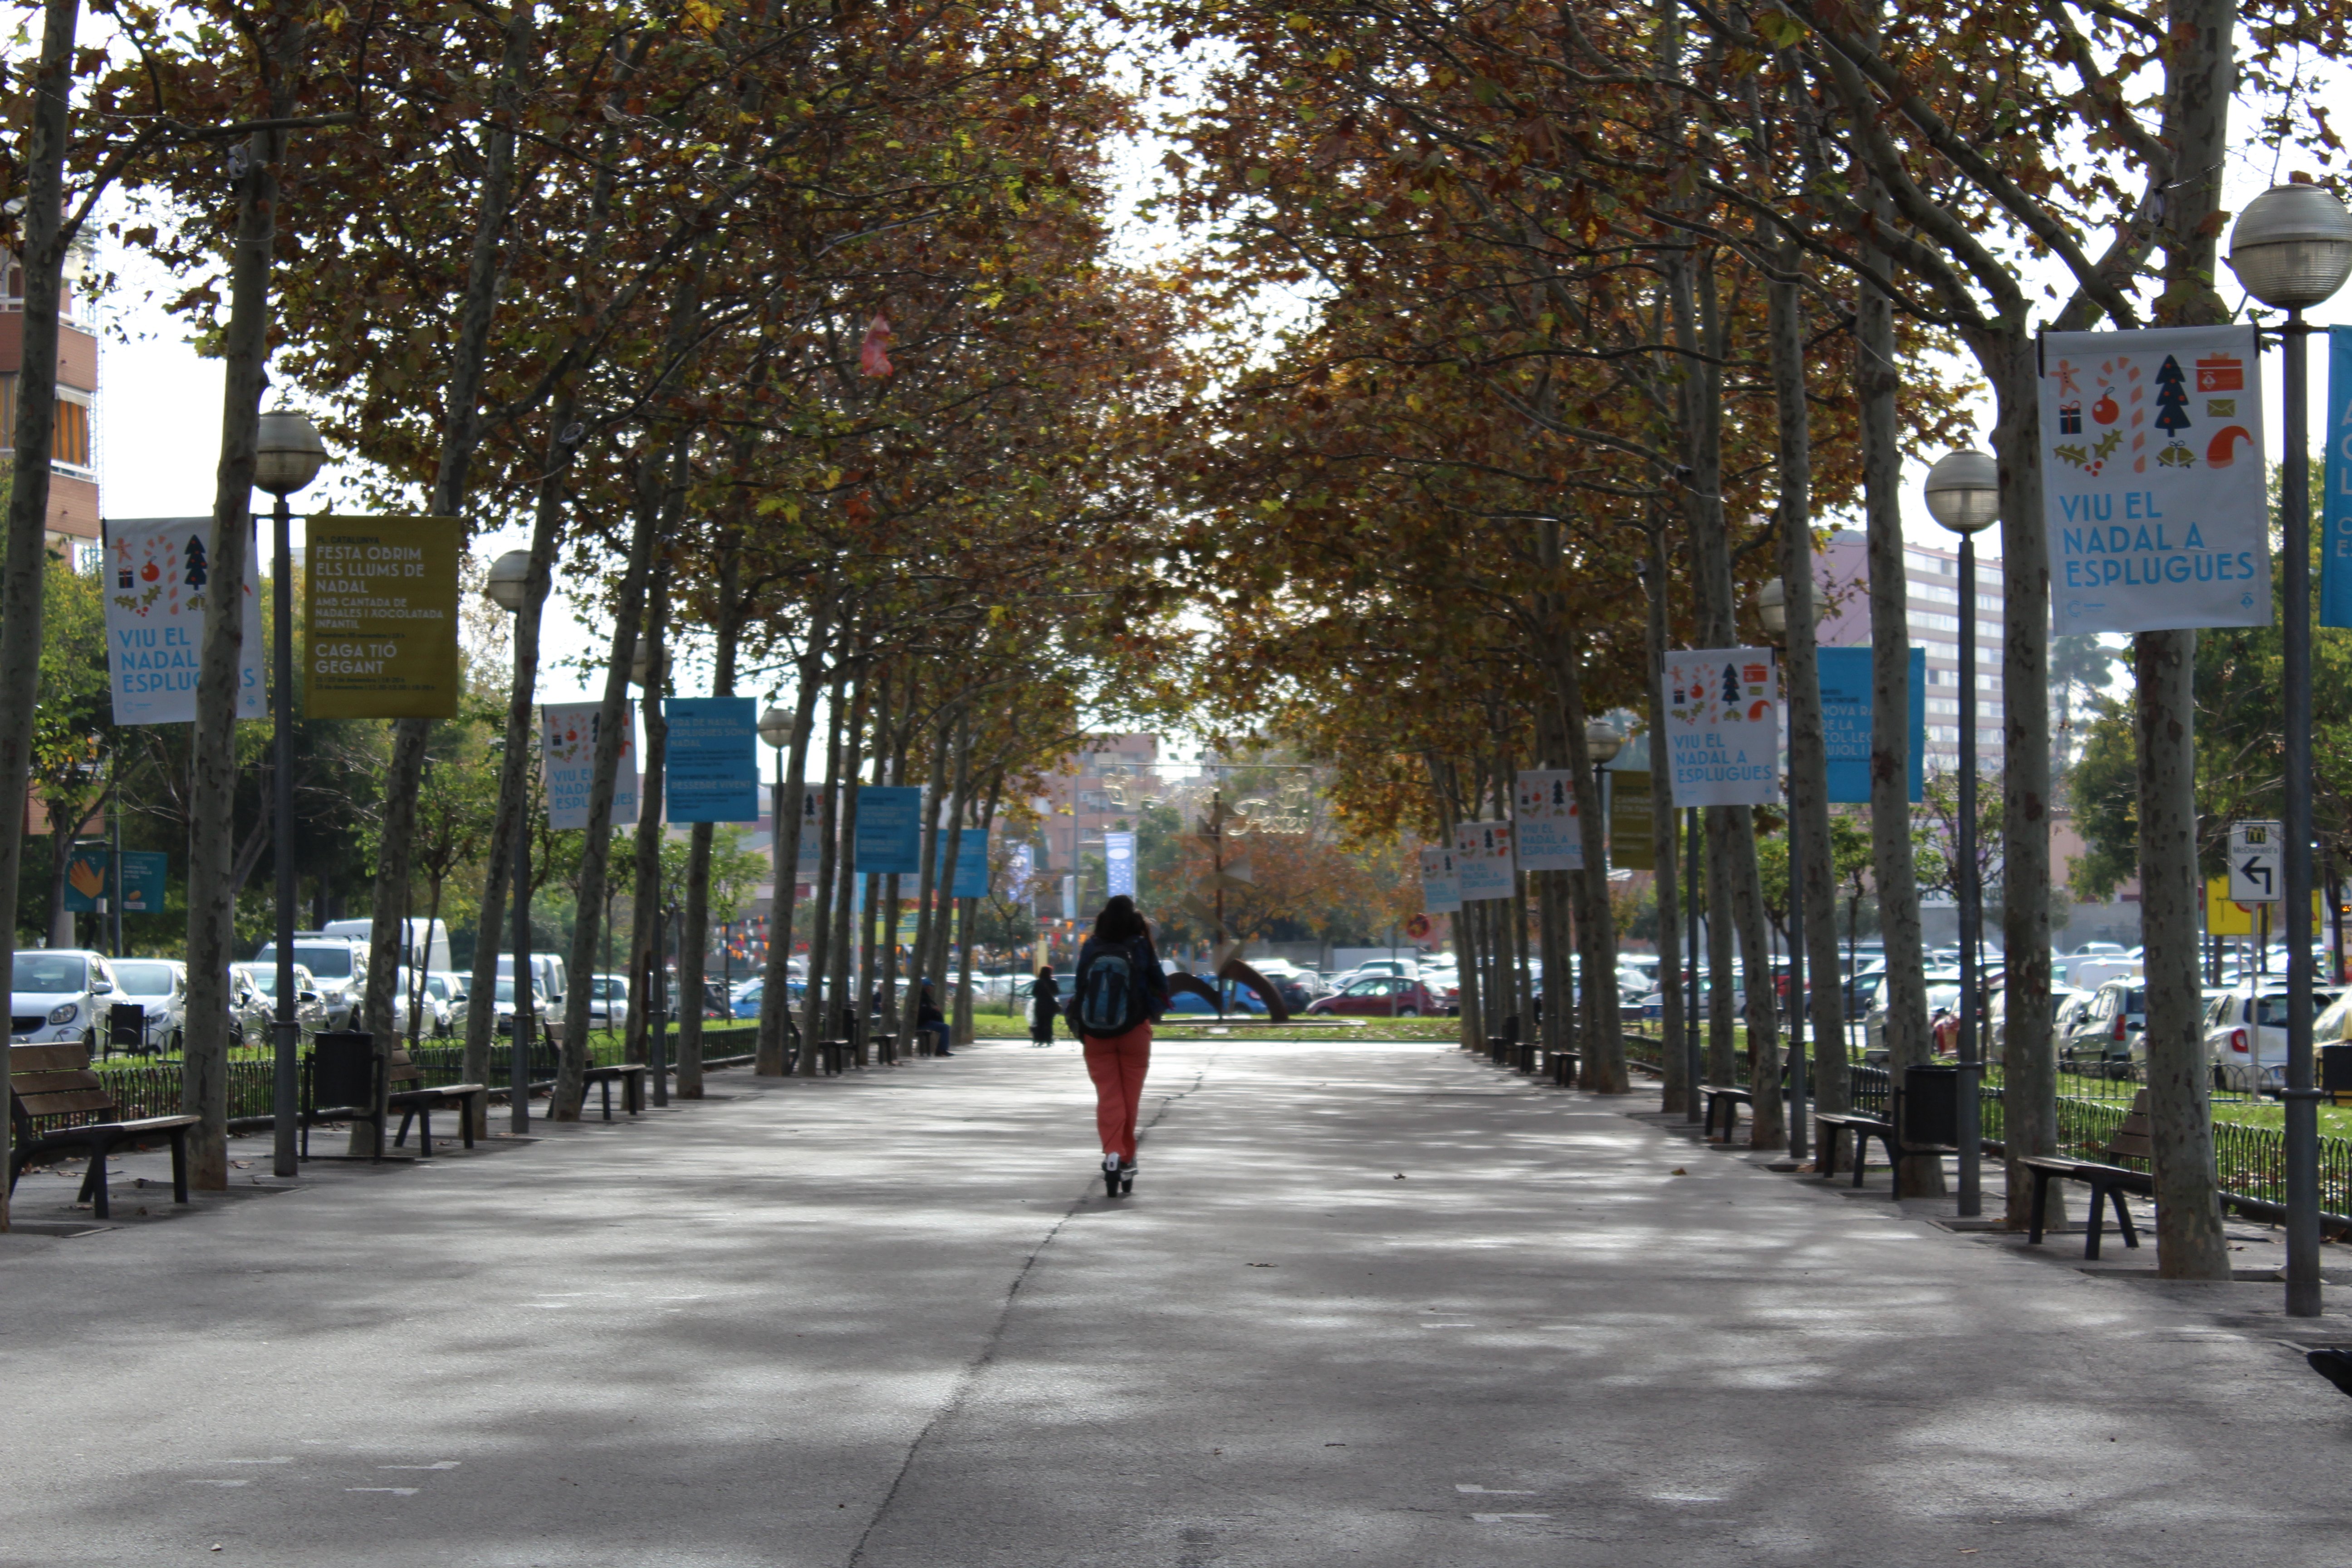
(801, 336)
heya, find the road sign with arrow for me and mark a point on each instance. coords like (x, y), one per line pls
(2256, 875)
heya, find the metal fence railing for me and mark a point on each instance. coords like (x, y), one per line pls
(152, 1087)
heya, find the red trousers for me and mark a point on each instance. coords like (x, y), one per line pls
(1117, 1064)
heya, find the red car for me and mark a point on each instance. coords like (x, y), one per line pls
(1380, 996)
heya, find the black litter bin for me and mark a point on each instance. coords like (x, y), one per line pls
(2336, 1068)
(338, 1078)
(1931, 1107)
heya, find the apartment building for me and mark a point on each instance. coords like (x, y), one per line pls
(1933, 608)
(73, 474)
(1107, 779)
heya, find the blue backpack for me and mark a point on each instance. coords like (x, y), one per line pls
(1111, 998)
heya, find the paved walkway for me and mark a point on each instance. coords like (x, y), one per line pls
(1369, 1305)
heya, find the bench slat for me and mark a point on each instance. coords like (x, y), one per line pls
(48, 1058)
(54, 1080)
(66, 1102)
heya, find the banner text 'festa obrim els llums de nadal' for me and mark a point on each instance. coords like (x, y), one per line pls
(2153, 480)
(382, 600)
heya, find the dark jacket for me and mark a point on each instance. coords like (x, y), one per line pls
(1044, 993)
(1142, 958)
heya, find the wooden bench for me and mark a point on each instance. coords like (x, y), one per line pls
(1863, 1129)
(1731, 1099)
(1564, 1066)
(338, 1084)
(2108, 1182)
(630, 1076)
(417, 1103)
(56, 1080)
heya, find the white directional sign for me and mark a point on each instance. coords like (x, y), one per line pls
(2255, 876)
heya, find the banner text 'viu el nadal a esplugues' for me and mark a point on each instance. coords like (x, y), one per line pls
(2152, 481)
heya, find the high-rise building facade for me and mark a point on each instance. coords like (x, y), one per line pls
(1932, 605)
(73, 451)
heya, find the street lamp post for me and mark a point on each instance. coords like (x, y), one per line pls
(1963, 495)
(1772, 609)
(508, 588)
(287, 455)
(776, 728)
(1602, 743)
(2291, 248)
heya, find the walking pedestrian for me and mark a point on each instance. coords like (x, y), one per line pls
(1044, 1002)
(1119, 991)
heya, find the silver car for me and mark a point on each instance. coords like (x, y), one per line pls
(160, 986)
(61, 997)
(2109, 1036)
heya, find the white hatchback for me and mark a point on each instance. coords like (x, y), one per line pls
(2246, 1035)
(60, 996)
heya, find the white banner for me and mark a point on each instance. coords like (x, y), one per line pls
(1550, 830)
(1441, 889)
(1481, 861)
(1723, 726)
(567, 758)
(158, 584)
(2152, 481)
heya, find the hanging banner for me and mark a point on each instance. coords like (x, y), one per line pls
(379, 606)
(1118, 862)
(812, 853)
(2153, 482)
(972, 878)
(1633, 822)
(158, 584)
(1483, 861)
(1723, 726)
(711, 765)
(86, 879)
(1021, 873)
(567, 762)
(1551, 836)
(143, 874)
(1441, 889)
(890, 830)
(2335, 489)
(1845, 722)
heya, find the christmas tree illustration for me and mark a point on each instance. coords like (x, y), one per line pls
(2171, 398)
(195, 573)
(1731, 684)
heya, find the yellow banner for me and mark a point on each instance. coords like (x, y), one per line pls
(1633, 822)
(380, 598)
(2225, 917)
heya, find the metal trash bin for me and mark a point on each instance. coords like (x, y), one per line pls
(2336, 1068)
(1931, 1107)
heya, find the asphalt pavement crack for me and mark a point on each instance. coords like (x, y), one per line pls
(971, 1376)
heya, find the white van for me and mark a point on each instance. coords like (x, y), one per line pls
(546, 968)
(431, 938)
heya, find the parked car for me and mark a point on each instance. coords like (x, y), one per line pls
(1997, 1017)
(2109, 1036)
(1239, 999)
(160, 986)
(749, 995)
(61, 996)
(338, 967)
(444, 994)
(2246, 1035)
(1379, 996)
(504, 1001)
(309, 1007)
(547, 972)
(608, 1000)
